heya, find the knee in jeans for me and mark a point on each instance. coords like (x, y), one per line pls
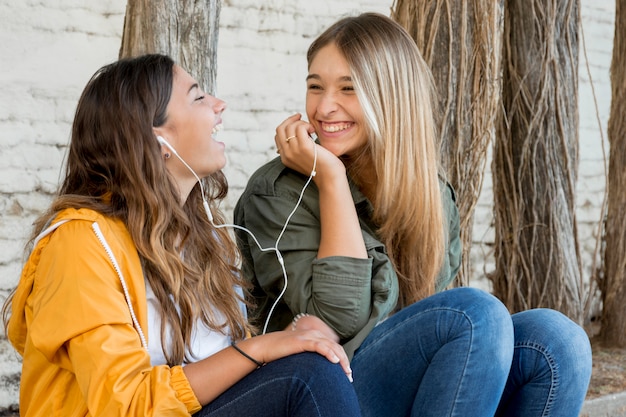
(309, 366)
(489, 322)
(561, 336)
(481, 306)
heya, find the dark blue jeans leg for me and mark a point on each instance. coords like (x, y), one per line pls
(551, 367)
(302, 385)
(446, 355)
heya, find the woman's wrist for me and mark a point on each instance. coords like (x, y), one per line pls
(243, 353)
(294, 322)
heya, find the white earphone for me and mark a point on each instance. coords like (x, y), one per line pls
(279, 256)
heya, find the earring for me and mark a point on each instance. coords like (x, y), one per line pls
(167, 155)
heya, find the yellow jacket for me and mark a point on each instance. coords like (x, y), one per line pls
(82, 354)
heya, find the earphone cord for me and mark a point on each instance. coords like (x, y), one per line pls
(278, 254)
(280, 235)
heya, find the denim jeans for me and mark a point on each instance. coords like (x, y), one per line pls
(460, 353)
(551, 366)
(302, 385)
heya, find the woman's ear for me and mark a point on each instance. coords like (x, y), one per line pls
(158, 132)
(166, 148)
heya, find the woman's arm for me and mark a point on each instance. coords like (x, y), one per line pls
(339, 223)
(228, 366)
(96, 352)
(349, 294)
(100, 346)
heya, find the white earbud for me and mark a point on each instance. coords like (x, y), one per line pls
(162, 141)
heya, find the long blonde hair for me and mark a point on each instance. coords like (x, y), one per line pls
(114, 166)
(395, 89)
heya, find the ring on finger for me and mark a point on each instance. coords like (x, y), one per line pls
(289, 138)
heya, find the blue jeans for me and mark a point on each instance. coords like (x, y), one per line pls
(302, 385)
(460, 353)
(551, 366)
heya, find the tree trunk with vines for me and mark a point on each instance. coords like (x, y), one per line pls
(460, 40)
(613, 284)
(186, 30)
(536, 159)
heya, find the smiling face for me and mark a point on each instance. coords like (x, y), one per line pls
(193, 119)
(332, 105)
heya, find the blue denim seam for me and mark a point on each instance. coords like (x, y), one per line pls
(409, 318)
(269, 381)
(554, 385)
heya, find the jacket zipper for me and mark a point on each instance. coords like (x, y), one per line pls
(107, 249)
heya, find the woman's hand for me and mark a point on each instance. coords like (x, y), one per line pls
(272, 346)
(309, 322)
(340, 230)
(228, 366)
(297, 150)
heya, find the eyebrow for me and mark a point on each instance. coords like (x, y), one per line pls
(346, 78)
(195, 85)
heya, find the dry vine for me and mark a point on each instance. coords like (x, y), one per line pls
(536, 159)
(460, 40)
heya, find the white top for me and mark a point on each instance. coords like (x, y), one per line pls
(204, 341)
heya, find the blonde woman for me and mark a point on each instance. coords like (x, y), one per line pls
(375, 241)
(130, 303)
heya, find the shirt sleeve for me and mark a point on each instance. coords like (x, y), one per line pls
(81, 323)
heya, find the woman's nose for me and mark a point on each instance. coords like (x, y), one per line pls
(327, 104)
(219, 106)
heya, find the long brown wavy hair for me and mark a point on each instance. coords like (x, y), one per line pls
(115, 166)
(395, 89)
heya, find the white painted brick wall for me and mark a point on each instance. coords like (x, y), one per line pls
(50, 49)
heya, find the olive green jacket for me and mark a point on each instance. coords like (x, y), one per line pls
(351, 295)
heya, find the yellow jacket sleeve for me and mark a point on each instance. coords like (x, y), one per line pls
(82, 355)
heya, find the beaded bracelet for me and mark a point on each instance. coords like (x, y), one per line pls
(294, 323)
(238, 349)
